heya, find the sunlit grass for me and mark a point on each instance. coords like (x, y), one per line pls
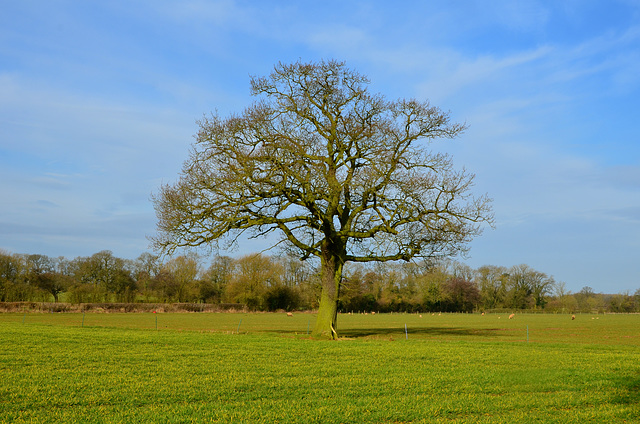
(195, 368)
(535, 328)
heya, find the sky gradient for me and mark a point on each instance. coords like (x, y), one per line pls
(99, 102)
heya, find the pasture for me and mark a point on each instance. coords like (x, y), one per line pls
(217, 367)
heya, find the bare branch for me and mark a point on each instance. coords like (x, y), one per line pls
(329, 167)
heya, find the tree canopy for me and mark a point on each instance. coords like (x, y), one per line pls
(336, 172)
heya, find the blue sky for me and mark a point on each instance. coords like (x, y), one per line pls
(98, 103)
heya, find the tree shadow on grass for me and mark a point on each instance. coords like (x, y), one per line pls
(423, 332)
(628, 389)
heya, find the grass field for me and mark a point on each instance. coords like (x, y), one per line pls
(117, 368)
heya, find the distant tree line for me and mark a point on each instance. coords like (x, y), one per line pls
(270, 283)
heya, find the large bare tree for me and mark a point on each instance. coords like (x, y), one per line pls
(337, 172)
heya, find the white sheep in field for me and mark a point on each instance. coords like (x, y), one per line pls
(512, 316)
(573, 317)
(289, 314)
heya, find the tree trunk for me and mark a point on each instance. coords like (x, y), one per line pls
(331, 276)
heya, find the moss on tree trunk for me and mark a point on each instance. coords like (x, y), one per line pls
(331, 277)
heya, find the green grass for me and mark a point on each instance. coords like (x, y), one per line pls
(195, 368)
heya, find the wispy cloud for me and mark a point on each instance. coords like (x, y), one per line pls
(98, 103)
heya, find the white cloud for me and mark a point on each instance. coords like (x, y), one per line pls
(95, 110)
(83, 168)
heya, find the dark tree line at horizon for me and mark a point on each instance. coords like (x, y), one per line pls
(268, 283)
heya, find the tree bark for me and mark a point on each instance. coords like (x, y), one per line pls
(331, 276)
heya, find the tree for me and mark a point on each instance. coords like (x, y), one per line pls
(215, 279)
(9, 271)
(40, 273)
(184, 271)
(622, 303)
(529, 287)
(145, 268)
(562, 293)
(295, 272)
(254, 275)
(164, 285)
(431, 284)
(586, 299)
(281, 297)
(104, 274)
(39, 264)
(336, 172)
(53, 283)
(492, 281)
(462, 295)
